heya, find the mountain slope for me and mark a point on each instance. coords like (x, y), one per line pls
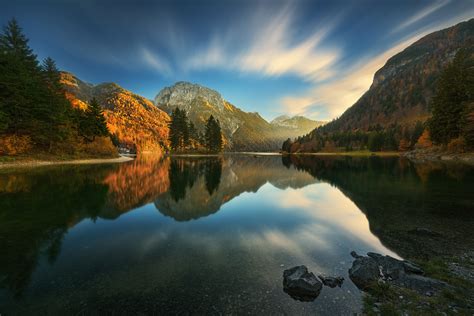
(295, 122)
(133, 119)
(243, 131)
(404, 86)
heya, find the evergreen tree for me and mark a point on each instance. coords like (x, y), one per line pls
(92, 122)
(448, 104)
(286, 147)
(193, 135)
(213, 135)
(468, 129)
(57, 106)
(20, 82)
(179, 130)
(173, 135)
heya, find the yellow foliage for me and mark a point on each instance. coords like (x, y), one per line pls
(457, 145)
(404, 145)
(76, 103)
(425, 140)
(101, 146)
(14, 145)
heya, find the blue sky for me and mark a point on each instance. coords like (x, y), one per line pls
(313, 58)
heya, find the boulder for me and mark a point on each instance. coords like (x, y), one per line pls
(331, 281)
(301, 284)
(376, 267)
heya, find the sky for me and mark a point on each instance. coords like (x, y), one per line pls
(312, 58)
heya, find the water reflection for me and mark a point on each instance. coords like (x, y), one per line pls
(229, 225)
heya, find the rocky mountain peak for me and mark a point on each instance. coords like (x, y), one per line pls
(185, 94)
(280, 118)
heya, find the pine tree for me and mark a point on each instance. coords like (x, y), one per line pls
(286, 147)
(20, 82)
(213, 135)
(173, 136)
(468, 129)
(92, 122)
(179, 130)
(58, 107)
(193, 135)
(450, 99)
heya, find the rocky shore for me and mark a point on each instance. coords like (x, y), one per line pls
(38, 163)
(436, 154)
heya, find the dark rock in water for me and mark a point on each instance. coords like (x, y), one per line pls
(355, 255)
(376, 267)
(331, 281)
(364, 271)
(301, 284)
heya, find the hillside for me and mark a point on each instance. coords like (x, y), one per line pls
(403, 87)
(134, 120)
(243, 131)
(390, 115)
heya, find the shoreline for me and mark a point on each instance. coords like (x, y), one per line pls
(349, 153)
(421, 156)
(40, 163)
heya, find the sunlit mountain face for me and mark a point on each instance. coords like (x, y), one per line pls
(311, 58)
(206, 234)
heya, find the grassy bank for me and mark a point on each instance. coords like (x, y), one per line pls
(457, 299)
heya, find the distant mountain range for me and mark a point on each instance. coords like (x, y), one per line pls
(243, 131)
(138, 122)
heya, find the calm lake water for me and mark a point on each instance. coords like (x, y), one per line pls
(213, 235)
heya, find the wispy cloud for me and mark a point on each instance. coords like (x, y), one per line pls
(271, 51)
(155, 61)
(421, 14)
(274, 44)
(337, 95)
(330, 99)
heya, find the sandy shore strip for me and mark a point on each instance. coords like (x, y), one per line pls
(38, 163)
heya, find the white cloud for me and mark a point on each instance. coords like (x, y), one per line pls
(336, 95)
(270, 49)
(421, 14)
(155, 61)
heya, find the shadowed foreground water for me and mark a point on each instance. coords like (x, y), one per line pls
(213, 235)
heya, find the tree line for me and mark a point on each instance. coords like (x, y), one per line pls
(35, 115)
(184, 136)
(376, 138)
(451, 124)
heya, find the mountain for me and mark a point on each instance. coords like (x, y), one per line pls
(134, 120)
(402, 89)
(296, 122)
(243, 131)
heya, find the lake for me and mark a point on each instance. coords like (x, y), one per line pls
(214, 235)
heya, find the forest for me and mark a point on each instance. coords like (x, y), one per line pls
(184, 137)
(35, 115)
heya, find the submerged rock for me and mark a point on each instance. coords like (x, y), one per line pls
(301, 284)
(376, 267)
(331, 281)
